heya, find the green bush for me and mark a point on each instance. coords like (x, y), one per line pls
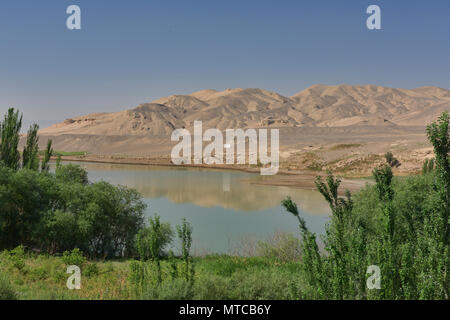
(7, 292)
(74, 257)
(400, 225)
(17, 257)
(71, 174)
(138, 275)
(151, 241)
(261, 285)
(109, 267)
(61, 211)
(284, 247)
(184, 232)
(39, 273)
(224, 265)
(213, 287)
(391, 160)
(177, 289)
(58, 275)
(90, 270)
(40, 211)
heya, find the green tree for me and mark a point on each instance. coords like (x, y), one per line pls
(24, 196)
(111, 216)
(434, 245)
(30, 155)
(184, 232)
(387, 254)
(337, 244)
(61, 211)
(47, 155)
(152, 240)
(7, 291)
(58, 161)
(71, 173)
(398, 224)
(10, 137)
(312, 261)
(59, 231)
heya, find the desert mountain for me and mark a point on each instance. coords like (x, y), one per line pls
(319, 106)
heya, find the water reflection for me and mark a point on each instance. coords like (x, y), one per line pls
(206, 188)
(222, 206)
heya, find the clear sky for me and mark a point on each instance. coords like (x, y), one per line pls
(134, 51)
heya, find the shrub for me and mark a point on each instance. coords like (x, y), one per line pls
(253, 284)
(7, 292)
(428, 166)
(39, 273)
(177, 289)
(71, 173)
(74, 257)
(213, 287)
(391, 160)
(224, 265)
(109, 267)
(59, 276)
(260, 285)
(17, 257)
(400, 225)
(138, 276)
(109, 219)
(185, 235)
(152, 240)
(61, 211)
(90, 270)
(24, 195)
(283, 246)
(59, 231)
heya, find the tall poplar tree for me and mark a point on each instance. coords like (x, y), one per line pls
(30, 156)
(10, 136)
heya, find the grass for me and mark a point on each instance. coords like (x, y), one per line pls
(70, 154)
(312, 161)
(272, 275)
(360, 164)
(345, 146)
(44, 277)
(65, 153)
(216, 277)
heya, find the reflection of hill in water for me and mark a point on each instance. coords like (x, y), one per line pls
(206, 188)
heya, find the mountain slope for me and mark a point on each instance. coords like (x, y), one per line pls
(318, 106)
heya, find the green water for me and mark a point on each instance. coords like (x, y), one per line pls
(224, 207)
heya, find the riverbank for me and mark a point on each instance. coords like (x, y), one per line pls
(301, 179)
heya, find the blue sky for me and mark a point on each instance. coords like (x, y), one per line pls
(135, 51)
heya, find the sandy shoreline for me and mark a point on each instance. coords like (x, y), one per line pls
(293, 179)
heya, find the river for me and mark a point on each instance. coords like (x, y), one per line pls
(226, 208)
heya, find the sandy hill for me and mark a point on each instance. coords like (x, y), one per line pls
(329, 105)
(319, 106)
